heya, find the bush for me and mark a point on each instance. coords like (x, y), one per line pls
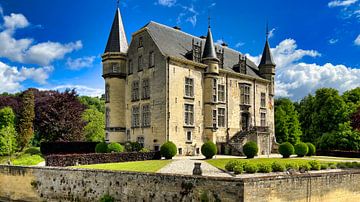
(292, 165)
(341, 165)
(251, 168)
(101, 147)
(115, 147)
(132, 146)
(324, 166)
(208, 149)
(301, 149)
(250, 149)
(332, 166)
(231, 165)
(286, 149)
(33, 151)
(238, 169)
(168, 150)
(278, 167)
(107, 198)
(312, 149)
(145, 150)
(305, 166)
(349, 165)
(264, 168)
(315, 165)
(49, 148)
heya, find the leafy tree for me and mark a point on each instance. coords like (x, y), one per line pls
(26, 119)
(7, 117)
(352, 99)
(7, 100)
(93, 102)
(305, 109)
(343, 138)
(7, 131)
(287, 126)
(95, 125)
(355, 120)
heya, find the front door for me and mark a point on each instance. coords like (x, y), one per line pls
(245, 121)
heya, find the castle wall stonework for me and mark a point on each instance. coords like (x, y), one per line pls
(61, 184)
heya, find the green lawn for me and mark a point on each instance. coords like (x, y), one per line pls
(330, 158)
(29, 157)
(137, 166)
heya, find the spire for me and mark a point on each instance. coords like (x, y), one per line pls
(117, 39)
(266, 58)
(209, 49)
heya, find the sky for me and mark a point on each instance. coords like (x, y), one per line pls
(58, 44)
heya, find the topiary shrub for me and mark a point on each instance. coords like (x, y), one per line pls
(341, 165)
(115, 147)
(250, 149)
(251, 168)
(231, 164)
(304, 166)
(315, 165)
(292, 165)
(324, 166)
(301, 149)
(168, 150)
(145, 150)
(312, 149)
(101, 147)
(264, 168)
(238, 169)
(278, 167)
(208, 149)
(332, 165)
(286, 149)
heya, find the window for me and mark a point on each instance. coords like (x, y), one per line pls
(262, 119)
(157, 148)
(214, 118)
(140, 42)
(130, 67)
(152, 59)
(107, 117)
(140, 63)
(221, 117)
(107, 137)
(189, 114)
(135, 121)
(263, 100)
(221, 93)
(180, 151)
(141, 141)
(245, 94)
(214, 92)
(188, 136)
(145, 89)
(189, 87)
(135, 91)
(146, 116)
(107, 93)
(115, 68)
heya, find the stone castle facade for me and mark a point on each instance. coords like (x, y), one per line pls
(168, 85)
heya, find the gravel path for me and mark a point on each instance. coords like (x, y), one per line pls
(186, 166)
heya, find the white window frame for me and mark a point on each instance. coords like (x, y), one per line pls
(263, 119)
(189, 87)
(115, 68)
(146, 116)
(135, 116)
(245, 91)
(145, 89)
(263, 100)
(135, 91)
(221, 116)
(214, 119)
(221, 93)
(214, 91)
(189, 114)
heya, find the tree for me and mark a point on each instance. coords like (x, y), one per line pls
(305, 109)
(287, 126)
(7, 131)
(93, 102)
(343, 138)
(355, 120)
(352, 99)
(7, 117)
(95, 125)
(26, 119)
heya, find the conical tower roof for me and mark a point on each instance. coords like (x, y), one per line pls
(266, 58)
(117, 41)
(209, 49)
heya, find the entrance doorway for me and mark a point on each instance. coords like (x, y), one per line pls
(245, 121)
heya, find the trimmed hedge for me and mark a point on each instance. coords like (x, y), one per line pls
(312, 149)
(48, 148)
(101, 147)
(168, 150)
(97, 158)
(301, 149)
(208, 149)
(286, 149)
(250, 149)
(114, 147)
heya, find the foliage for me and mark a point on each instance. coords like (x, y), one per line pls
(101, 147)
(231, 164)
(352, 99)
(286, 149)
(115, 147)
(144, 150)
(343, 138)
(8, 143)
(250, 149)
(278, 167)
(238, 169)
(94, 129)
(33, 151)
(324, 166)
(107, 198)
(11, 101)
(305, 166)
(292, 165)
(301, 149)
(26, 119)
(287, 126)
(312, 149)
(93, 103)
(265, 168)
(132, 146)
(7, 117)
(168, 150)
(28, 160)
(315, 165)
(251, 168)
(355, 119)
(208, 149)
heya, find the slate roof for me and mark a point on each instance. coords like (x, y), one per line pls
(266, 58)
(209, 49)
(176, 43)
(117, 39)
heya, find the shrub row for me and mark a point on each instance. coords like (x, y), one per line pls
(238, 166)
(301, 149)
(96, 158)
(48, 148)
(103, 147)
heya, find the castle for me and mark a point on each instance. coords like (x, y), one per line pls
(168, 85)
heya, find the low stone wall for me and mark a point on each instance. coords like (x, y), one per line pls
(96, 158)
(63, 184)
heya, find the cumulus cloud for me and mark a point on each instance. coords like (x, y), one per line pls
(168, 3)
(24, 50)
(80, 89)
(11, 77)
(333, 41)
(357, 40)
(271, 33)
(79, 63)
(296, 79)
(342, 3)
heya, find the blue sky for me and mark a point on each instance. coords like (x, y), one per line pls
(57, 44)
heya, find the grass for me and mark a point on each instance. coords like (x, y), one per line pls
(29, 157)
(136, 166)
(329, 158)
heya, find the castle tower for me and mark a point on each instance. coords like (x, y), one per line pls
(114, 73)
(210, 87)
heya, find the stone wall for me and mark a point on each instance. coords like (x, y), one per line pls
(60, 184)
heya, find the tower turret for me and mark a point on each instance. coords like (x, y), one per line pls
(267, 65)
(209, 55)
(114, 73)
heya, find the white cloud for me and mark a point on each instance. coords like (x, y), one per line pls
(79, 63)
(219, 41)
(239, 44)
(24, 51)
(212, 5)
(271, 33)
(189, 13)
(11, 77)
(168, 3)
(80, 89)
(296, 79)
(357, 40)
(344, 3)
(333, 41)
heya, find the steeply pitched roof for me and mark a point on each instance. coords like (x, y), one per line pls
(176, 43)
(117, 39)
(209, 48)
(266, 58)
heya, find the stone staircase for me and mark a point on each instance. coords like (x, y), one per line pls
(237, 141)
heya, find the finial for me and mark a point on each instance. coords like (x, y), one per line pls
(267, 30)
